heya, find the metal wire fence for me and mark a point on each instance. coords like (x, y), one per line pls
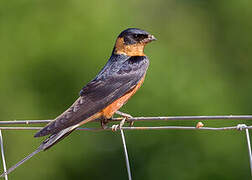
(200, 126)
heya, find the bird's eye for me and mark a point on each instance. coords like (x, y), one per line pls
(136, 35)
(139, 36)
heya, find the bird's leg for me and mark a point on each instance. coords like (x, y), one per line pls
(104, 122)
(127, 116)
(123, 114)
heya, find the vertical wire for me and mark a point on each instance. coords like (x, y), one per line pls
(2, 153)
(126, 155)
(249, 149)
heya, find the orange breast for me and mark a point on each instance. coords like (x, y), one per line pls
(112, 108)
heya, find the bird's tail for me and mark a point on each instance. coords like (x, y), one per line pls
(46, 144)
(22, 161)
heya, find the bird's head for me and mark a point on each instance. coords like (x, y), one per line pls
(131, 42)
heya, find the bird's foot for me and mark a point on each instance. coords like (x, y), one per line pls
(123, 114)
(126, 116)
(104, 123)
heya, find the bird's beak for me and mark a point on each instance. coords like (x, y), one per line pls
(150, 38)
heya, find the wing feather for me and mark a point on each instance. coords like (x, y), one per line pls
(111, 83)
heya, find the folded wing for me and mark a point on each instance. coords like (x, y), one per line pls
(108, 86)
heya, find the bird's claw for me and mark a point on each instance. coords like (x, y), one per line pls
(123, 114)
(104, 123)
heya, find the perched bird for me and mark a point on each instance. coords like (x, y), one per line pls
(119, 79)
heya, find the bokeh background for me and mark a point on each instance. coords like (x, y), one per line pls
(200, 65)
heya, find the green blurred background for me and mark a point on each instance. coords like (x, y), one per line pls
(200, 65)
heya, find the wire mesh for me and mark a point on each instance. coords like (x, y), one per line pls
(199, 126)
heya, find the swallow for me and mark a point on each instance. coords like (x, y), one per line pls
(103, 96)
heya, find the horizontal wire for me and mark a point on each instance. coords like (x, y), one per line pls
(165, 118)
(139, 128)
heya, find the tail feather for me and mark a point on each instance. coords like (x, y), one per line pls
(55, 138)
(22, 161)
